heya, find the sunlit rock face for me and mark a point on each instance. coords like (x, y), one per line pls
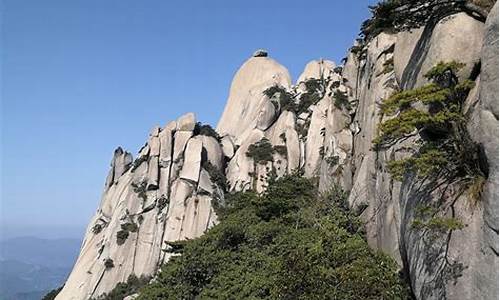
(247, 105)
(166, 194)
(159, 197)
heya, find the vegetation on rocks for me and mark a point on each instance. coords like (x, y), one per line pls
(123, 233)
(217, 176)
(109, 263)
(123, 289)
(138, 161)
(261, 152)
(286, 99)
(399, 15)
(140, 189)
(427, 217)
(205, 129)
(341, 100)
(288, 243)
(315, 90)
(434, 114)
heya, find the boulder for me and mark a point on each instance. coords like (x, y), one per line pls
(186, 122)
(212, 150)
(267, 115)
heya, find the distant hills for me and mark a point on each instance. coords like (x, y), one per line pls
(31, 266)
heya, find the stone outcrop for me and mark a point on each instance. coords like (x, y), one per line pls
(246, 99)
(160, 197)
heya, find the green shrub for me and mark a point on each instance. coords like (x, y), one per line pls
(162, 202)
(205, 129)
(286, 99)
(217, 176)
(121, 237)
(332, 160)
(97, 228)
(140, 190)
(399, 15)
(288, 243)
(261, 152)
(315, 90)
(123, 233)
(123, 289)
(109, 264)
(281, 150)
(445, 148)
(388, 66)
(341, 100)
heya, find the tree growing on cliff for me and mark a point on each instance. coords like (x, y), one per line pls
(398, 15)
(435, 114)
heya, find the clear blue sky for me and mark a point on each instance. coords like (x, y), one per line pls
(81, 77)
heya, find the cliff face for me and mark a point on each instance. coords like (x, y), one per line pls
(167, 193)
(162, 196)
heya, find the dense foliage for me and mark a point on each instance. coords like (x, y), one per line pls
(315, 91)
(435, 114)
(261, 152)
(288, 243)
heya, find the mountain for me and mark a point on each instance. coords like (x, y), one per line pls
(408, 126)
(30, 267)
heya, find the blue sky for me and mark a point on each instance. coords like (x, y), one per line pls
(81, 77)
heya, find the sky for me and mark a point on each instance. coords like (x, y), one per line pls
(79, 78)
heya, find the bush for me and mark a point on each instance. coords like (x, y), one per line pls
(446, 148)
(261, 152)
(341, 101)
(140, 190)
(108, 263)
(281, 150)
(287, 243)
(205, 129)
(315, 90)
(97, 228)
(217, 176)
(285, 98)
(123, 289)
(162, 202)
(122, 235)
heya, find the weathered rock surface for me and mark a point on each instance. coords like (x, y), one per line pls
(167, 192)
(246, 96)
(147, 203)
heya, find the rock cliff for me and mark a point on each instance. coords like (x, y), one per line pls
(323, 126)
